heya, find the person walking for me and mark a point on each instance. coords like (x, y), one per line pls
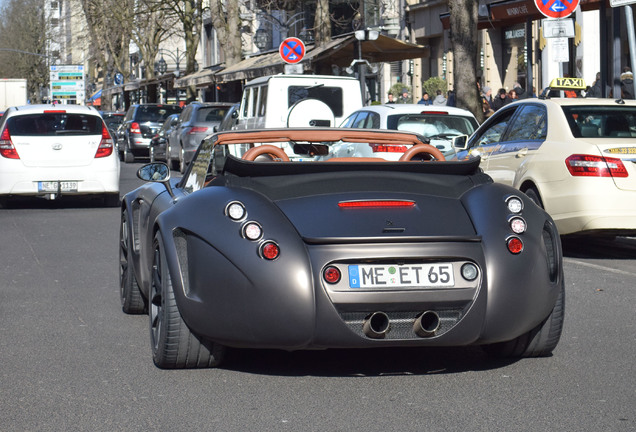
(390, 101)
(627, 83)
(486, 101)
(501, 100)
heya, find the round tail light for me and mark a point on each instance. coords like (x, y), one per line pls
(515, 245)
(331, 275)
(270, 250)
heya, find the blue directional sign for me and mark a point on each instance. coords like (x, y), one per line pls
(556, 8)
(292, 50)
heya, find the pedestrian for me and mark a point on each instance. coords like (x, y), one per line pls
(405, 96)
(512, 94)
(520, 91)
(390, 101)
(451, 99)
(439, 99)
(501, 99)
(486, 101)
(426, 100)
(627, 83)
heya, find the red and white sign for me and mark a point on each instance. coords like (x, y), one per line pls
(292, 50)
(556, 8)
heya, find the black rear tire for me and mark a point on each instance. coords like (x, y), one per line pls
(132, 301)
(533, 194)
(173, 345)
(538, 342)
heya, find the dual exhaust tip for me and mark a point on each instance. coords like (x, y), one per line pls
(377, 325)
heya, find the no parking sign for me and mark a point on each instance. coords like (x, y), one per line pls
(292, 50)
(556, 8)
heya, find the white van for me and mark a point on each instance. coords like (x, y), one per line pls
(297, 101)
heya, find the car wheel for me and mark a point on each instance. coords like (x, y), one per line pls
(174, 346)
(182, 162)
(540, 341)
(132, 302)
(128, 156)
(534, 196)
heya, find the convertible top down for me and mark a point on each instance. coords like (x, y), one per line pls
(268, 241)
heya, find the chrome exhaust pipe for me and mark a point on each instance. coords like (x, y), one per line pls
(426, 324)
(376, 325)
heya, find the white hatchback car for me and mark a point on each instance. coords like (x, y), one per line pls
(55, 150)
(437, 123)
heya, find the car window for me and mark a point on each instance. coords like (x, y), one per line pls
(493, 132)
(432, 124)
(593, 121)
(349, 120)
(52, 124)
(360, 120)
(200, 168)
(158, 113)
(373, 121)
(331, 96)
(529, 125)
(211, 114)
(262, 102)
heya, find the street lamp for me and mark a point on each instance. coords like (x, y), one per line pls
(362, 35)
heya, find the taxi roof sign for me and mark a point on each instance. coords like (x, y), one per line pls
(568, 84)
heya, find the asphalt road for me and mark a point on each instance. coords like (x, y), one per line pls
(70, 360)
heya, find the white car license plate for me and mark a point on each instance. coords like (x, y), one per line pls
(54, 186)
(401, 276)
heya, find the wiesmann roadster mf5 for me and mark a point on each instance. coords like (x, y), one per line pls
(268, 241)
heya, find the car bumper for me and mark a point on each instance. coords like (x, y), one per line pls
(101, 176)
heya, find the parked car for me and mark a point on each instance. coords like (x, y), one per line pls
(572, 156)
(141, 123)
(159, 142)
(230, 119)
(196, 121)
(253, 249)
(436, 123)
(50, 151)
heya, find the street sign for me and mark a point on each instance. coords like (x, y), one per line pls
(553, 28)
(67, 83)
(556, 8)
(292, 50)
(619, 3)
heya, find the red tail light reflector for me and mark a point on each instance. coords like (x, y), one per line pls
(381, 148)
(331, 275)
(135, 128)
(7, 149)
(376, 203)
(434, 112)
(105, 145)
(270, 251)
(515, 245)
(54, 111)
(595, 166)
(197, 129)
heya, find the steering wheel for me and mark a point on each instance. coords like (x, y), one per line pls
(269, 150)
(425, 149)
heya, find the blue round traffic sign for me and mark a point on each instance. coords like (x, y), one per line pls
(556, 8)
(292, 50)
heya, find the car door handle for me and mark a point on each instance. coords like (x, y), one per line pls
(522, 153)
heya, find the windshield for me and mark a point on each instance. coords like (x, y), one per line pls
(211, 114)
(151, 113)
(594, 121)
(432, 125)
(49, 124)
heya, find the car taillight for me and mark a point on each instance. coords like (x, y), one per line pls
(135, 128)
(595, 166)
(105, 145)
(197, 129)
(7, 149)
(381, 148)
(376, 203)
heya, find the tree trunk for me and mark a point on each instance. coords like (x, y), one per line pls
(464, 37)
(322, 23)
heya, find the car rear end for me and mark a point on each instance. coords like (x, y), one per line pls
(598, 193)
(205, 119)
(146, 122)
(50, 151)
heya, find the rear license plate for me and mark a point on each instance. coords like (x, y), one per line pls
(55, 186)
(401, 276)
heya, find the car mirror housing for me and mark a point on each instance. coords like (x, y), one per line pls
(460, 142)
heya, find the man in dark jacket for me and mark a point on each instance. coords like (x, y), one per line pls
(501, 99)
(627, 83)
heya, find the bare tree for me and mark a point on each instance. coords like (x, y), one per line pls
(322, 23)
(227, 24)
(23, 44)
(464, 36)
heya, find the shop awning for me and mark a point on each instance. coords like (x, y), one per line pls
(340, 52)
(202, 78)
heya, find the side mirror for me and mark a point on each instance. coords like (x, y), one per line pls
(157, 172)
(235, 114)
(460, 142)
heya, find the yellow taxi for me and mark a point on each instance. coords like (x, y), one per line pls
(575, 157)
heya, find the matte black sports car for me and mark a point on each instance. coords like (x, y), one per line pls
(268, 241)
